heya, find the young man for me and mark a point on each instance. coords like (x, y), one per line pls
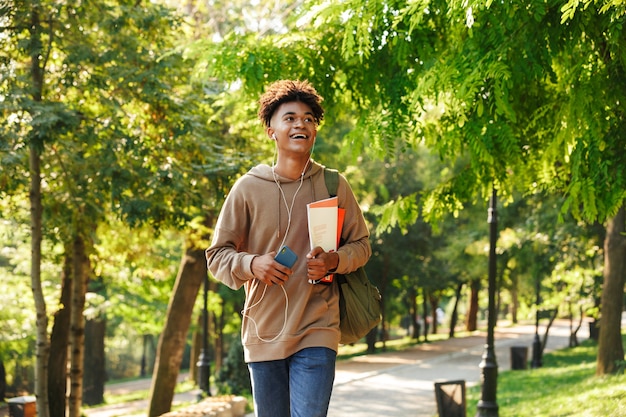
(290, 325)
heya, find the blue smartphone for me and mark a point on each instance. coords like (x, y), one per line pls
(286, 257)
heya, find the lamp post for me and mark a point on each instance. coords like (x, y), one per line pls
(536, 362)
(487, 406)
(204, 364)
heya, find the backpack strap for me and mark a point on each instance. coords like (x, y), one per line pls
(331, 177)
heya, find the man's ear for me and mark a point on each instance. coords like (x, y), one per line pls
(270, 133)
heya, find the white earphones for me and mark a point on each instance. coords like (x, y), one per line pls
(274, 136)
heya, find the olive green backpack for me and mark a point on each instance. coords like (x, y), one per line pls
(360, 301)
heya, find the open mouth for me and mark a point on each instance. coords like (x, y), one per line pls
(299, 136)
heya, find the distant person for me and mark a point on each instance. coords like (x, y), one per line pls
(290, 324)
(441, 316)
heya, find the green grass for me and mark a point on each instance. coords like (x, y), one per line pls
(565, 385)
(184, 386)
(124, 398)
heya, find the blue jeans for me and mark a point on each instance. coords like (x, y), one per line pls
(298, 386)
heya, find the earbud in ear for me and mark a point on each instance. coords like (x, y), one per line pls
(274, 136)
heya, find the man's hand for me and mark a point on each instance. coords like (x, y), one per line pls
(268, 271)
(319, 263)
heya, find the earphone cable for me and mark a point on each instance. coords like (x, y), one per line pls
(289, 211)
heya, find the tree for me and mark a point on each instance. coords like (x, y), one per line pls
(93, 380)
(92, 92)
(610, 348)
(172, 341)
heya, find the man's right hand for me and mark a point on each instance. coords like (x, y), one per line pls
(268, 271)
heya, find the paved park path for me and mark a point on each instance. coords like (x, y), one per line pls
(401, 384)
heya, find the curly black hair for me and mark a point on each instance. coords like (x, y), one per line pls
(286, 91)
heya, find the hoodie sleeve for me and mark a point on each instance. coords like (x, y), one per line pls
(225, 259)
(355, 249)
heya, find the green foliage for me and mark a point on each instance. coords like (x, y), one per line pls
(234, 377)
(120, 126)
(136, 271)
(616, 8)
(465, 79)
(395, 213)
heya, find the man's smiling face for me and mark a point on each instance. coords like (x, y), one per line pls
(294, 126)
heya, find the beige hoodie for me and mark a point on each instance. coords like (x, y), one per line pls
(253, 221)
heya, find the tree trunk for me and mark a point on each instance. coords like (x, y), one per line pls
(3, 381)
(94, 365)
(196, 348)
(43, 346)
(77, 334)
(514, 296)
(191, 275)
(573, 331)
(383, 290)
(610, 347)
(413, 310)
(218, 327)
(425, 313)
(218, 338)
(152, 349)
(144, 357)
(147, 356)
(544, 342)
(59, 341)
(455, 311)
(36, 209)
(471, 321)
(434, 303)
